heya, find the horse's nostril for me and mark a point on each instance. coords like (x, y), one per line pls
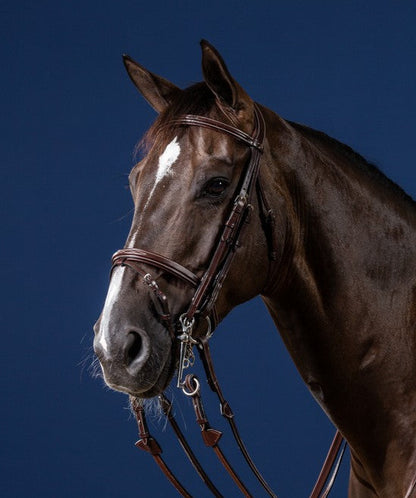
(133, 347)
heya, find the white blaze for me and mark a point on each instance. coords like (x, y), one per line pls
(168, 157)
(166, 160)
(110, 301)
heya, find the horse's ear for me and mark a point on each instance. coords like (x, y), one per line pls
(220, 81)
(155, 89)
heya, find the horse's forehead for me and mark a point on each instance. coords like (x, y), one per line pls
(182, 155)
(181, 152)
(166, 160)
(208, 142)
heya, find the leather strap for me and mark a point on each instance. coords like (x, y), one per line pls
(166, 406)
(205, 122)
(209, 435)
(156, 260)
(149, 444)
(318, 490)
(213, 278)
(227, 412)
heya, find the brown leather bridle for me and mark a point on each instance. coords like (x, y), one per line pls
(202, 306)
(208, 287)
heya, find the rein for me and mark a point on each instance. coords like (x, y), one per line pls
(202, 306)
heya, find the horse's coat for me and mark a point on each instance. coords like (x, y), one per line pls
(341, 285)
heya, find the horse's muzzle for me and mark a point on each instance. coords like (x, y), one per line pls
(122, 356)
(131, 361)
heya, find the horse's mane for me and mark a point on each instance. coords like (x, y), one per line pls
(354, 158)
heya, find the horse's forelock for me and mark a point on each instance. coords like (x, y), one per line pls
(196, 99)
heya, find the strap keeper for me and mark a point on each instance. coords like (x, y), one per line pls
(150, 445)
(225, 410)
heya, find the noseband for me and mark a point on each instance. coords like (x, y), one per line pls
(202, 305)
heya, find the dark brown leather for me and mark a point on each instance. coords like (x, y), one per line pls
(209, 435)
(149, 444)
(334, 449)
(166, 406)
(207, 292)
(205, 122)
(227, 412)
(157, 261)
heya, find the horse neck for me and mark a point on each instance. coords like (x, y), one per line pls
(344, 298)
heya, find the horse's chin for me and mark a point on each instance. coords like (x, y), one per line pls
(136, 387)
(161, 383)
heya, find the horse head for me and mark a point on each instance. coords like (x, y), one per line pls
(183, 190)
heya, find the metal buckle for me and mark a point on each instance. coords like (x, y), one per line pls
(186, 355)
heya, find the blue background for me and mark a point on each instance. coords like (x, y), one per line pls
(70, 121)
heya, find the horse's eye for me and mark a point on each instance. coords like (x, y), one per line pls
(215, 187)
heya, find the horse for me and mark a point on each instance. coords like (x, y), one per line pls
(326, 240)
